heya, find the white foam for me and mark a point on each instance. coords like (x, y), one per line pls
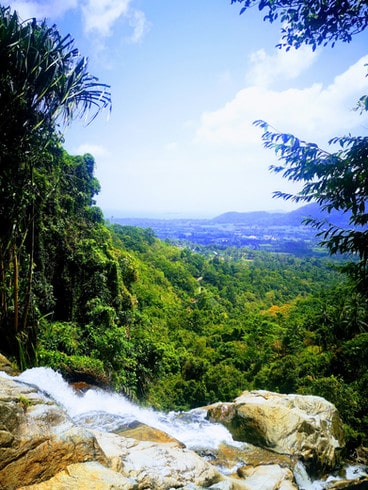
(191, 428)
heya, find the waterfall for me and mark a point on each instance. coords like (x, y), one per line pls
(302, 478)
(107, 411)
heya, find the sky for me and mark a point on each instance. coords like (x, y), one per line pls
(188, 79)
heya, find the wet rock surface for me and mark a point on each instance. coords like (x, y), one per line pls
(37, 437)
(42, 448)
(305, 427)
(143, 432)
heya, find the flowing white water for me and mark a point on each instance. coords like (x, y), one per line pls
(109, 411)
(104, 410)
(304, 482)
(302, 478)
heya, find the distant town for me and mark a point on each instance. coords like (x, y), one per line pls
(277, 232)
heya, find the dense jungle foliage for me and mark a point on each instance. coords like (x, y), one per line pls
(168, 326)
(177, 329)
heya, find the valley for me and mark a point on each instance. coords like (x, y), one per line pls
(267, 231)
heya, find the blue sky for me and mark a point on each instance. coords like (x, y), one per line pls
(187, 81)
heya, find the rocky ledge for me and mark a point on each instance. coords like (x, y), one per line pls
(41, 448)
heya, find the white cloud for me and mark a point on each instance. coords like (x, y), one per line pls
(284, 65)
(99, 16)
(138, 21)
(43, 8)
(95, 150)
(315, 113)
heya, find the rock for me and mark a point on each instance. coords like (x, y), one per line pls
(143, 432)
(37, 437)
(359, 484)
(155, 465)
(231, 458)
(81, 386)
(222, 485)
(41, 446)
(85, 476)
(163, 466)
(249, 467)
(268, 477)
(361, 455)
(306, 427)
(7, 367)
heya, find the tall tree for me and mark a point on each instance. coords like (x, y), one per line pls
(336, 180)
(44, 81)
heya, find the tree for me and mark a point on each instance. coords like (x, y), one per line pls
(43, 82)
(337, 180)
(313, 23)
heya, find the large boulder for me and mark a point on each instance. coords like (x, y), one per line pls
(143, 432)
(253, 468)
(37, 438)
(307, 427)
(266, 477)
(156, 465)
(233, 458)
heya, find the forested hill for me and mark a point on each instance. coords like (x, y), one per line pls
(292, 218)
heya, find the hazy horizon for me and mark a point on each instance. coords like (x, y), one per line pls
(121, 213)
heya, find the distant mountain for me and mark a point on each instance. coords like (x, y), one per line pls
(249, 219)
(292, 218)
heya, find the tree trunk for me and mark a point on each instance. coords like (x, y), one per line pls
(16, 289)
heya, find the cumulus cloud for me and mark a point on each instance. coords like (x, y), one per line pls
(42, 8)
(315, 113)
(99, 16)
(95, 150)
(285, 65)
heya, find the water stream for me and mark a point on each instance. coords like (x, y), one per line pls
(110, 411)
